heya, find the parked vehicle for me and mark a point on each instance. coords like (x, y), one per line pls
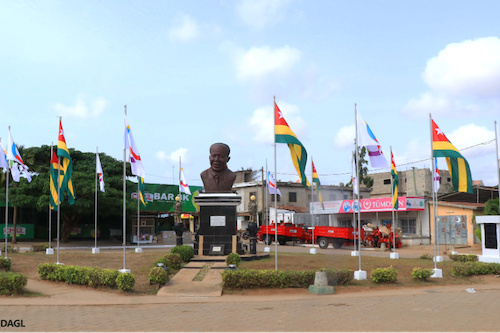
(286, 232)
(337, 236)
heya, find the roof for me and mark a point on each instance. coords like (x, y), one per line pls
(481, 195)
(295, 209)
(466, 205)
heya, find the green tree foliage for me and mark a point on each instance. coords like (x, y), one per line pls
(36, 193)
(363, 169)
(491, 207)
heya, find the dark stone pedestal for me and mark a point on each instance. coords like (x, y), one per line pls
(179, 229)
(252, 231)
(217, 232)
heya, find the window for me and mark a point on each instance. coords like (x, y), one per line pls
(387, 181)
(345, 196)
(409, 226)
(278, 198)
(345, 223)
(292, 196)
(449, 179)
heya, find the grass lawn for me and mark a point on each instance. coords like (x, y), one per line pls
(141, 263)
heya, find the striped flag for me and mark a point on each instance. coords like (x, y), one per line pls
(315, 180)
(367, 139)
(183, 186)
(283, 134)
(395, 183)
(54, 166)
(135, 157)
(457, 165)
(437, 177)
(142, 188)
(272, 185)
(66, 184)
(3, 158)
(98, 170)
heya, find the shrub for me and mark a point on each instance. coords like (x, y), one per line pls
(233, 259)
(5, 264)
(12, 249)
(185, 251)
(40, 247)
(425, 257)
(338, 277)
(75, 275)
(249, 278)
(163, 261)
(477, 232)
(157, 275)
(175, 260)
(389, 274)
(463, 257)
(108, 277)
(125, 281)
(48, 271)
(12, 283)
(421, 273)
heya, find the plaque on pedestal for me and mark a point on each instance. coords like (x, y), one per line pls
(217, 223)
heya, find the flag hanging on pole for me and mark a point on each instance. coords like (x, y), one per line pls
(16, 161)
(457, 164)
(183, 186)
(142, 188)
(283, 134)
(54, 166)
(272, 185)
(135, 157)
(395, 183)
(66, 167)
(354, 177)
(98, 170)
(367, 139)
(315, 180)
(3, 158)
(437, 177)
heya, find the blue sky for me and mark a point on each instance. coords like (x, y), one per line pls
(197, 72)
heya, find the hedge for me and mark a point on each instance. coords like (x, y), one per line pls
(5, 264)
(463, 257)
(185, 251)
(475, 268)
(90, 276)
(389, 274)
(12, 283)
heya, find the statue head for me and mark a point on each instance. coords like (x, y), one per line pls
(219, 156)
(252, 198)
(177, 198)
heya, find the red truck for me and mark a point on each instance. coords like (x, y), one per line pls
(337, 236)
(323, 236)
(286, 232)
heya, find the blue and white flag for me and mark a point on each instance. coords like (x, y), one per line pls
(271, 184)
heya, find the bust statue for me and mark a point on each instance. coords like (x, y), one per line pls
(177, 210)
(218, 178)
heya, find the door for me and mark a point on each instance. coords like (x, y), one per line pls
(452, 230)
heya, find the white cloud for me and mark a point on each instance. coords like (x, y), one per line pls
(80, 109)
(471, 135)
(345, 137)
(172, 157)
(469, 68)
(184, 29)
(261, 13)
(262, 122)
(259, 62)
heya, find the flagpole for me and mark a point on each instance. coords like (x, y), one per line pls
(50, 208)
(58, 201)
(498, 161)
(437, 273)
(95, 205)
(354, 189)
(361, 275)
(275, 194)
(7, 205)
(267, 208)
(312, 206)
(393, 222)
(138, 249)
(124, 270)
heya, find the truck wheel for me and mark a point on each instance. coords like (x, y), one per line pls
(268, 239)
(323, 242)
(282, 241)
(337, 244)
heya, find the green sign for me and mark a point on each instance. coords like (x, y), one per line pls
(161, 198)
(23, 231)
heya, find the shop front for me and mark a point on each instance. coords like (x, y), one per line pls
(412, 215)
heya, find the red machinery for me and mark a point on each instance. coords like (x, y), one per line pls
(375, 238)
(337, 236)
(286, 232)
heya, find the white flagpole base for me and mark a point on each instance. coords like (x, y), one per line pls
(49, 251)
(438, 259)
(354, 253)
(124, 270)
(138, 250)
(313, 251)
(437, 273)
(360, 275)
(394, 255)
(267, 249)
(95, 250)
(59, 263)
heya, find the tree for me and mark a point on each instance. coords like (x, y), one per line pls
(36, 193)
(491, 207)
(363, 169)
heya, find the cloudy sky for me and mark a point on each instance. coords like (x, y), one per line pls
(197, 72)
